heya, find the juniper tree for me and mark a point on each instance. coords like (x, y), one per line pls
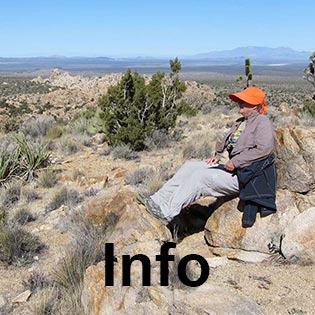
(310, 72)
(131, 110)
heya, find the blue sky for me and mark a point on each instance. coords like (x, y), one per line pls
(121, 28)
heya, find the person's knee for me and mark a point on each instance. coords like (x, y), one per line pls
(190, 163)
(202, 178)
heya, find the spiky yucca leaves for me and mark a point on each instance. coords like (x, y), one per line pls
(9, 162)
(31, 156)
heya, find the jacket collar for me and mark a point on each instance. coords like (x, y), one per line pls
(252, 116)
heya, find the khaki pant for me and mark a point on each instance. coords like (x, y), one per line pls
(193, 180)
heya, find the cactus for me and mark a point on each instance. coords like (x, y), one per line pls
(248, 73)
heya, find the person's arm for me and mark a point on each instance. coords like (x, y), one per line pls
(263, 145)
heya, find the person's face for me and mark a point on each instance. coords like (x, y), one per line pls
(245, 109)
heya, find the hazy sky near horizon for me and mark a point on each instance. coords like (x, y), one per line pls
(125, 28)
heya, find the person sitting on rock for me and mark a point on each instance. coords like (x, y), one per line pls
(249, 172)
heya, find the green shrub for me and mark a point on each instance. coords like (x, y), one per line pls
(131, 110)
(54, 132)
(309, 107)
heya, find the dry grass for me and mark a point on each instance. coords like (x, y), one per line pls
(86, 249)
(18, 246)
(47, 178)
(64, 196)
(23, 216)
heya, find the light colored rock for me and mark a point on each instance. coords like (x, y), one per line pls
(241, 255)
(224, 227)
(137, 232)
(298, 244)
(215, 262)
(110, 202)
(156, 300)
(3, 301)
(23, 297)
(294, 152)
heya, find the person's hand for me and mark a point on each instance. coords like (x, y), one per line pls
(212, 160)
(229, 166)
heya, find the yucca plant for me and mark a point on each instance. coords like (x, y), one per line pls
(32, 156)
(9, 162)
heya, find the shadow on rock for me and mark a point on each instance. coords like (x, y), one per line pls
(193, 218)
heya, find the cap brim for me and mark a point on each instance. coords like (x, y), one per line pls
(242, 96)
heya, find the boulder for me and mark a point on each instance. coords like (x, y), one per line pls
(294, 161)
(224, 227)
(137, 232)
(298, 243)
(137, 299)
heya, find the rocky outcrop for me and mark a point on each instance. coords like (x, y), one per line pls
(294, 152)
(139, 233)
(287, 232)
(298, 244)
(72, 93)
(224, 228)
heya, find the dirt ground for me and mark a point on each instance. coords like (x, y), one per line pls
(279, 289)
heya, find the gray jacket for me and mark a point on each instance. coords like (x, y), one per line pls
(256, 142)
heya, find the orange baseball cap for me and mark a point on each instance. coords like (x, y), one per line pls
(252, 96)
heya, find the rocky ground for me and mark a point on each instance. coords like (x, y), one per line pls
(272, 285)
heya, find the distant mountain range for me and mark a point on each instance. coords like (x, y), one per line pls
(210, 61)
(281, 54)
